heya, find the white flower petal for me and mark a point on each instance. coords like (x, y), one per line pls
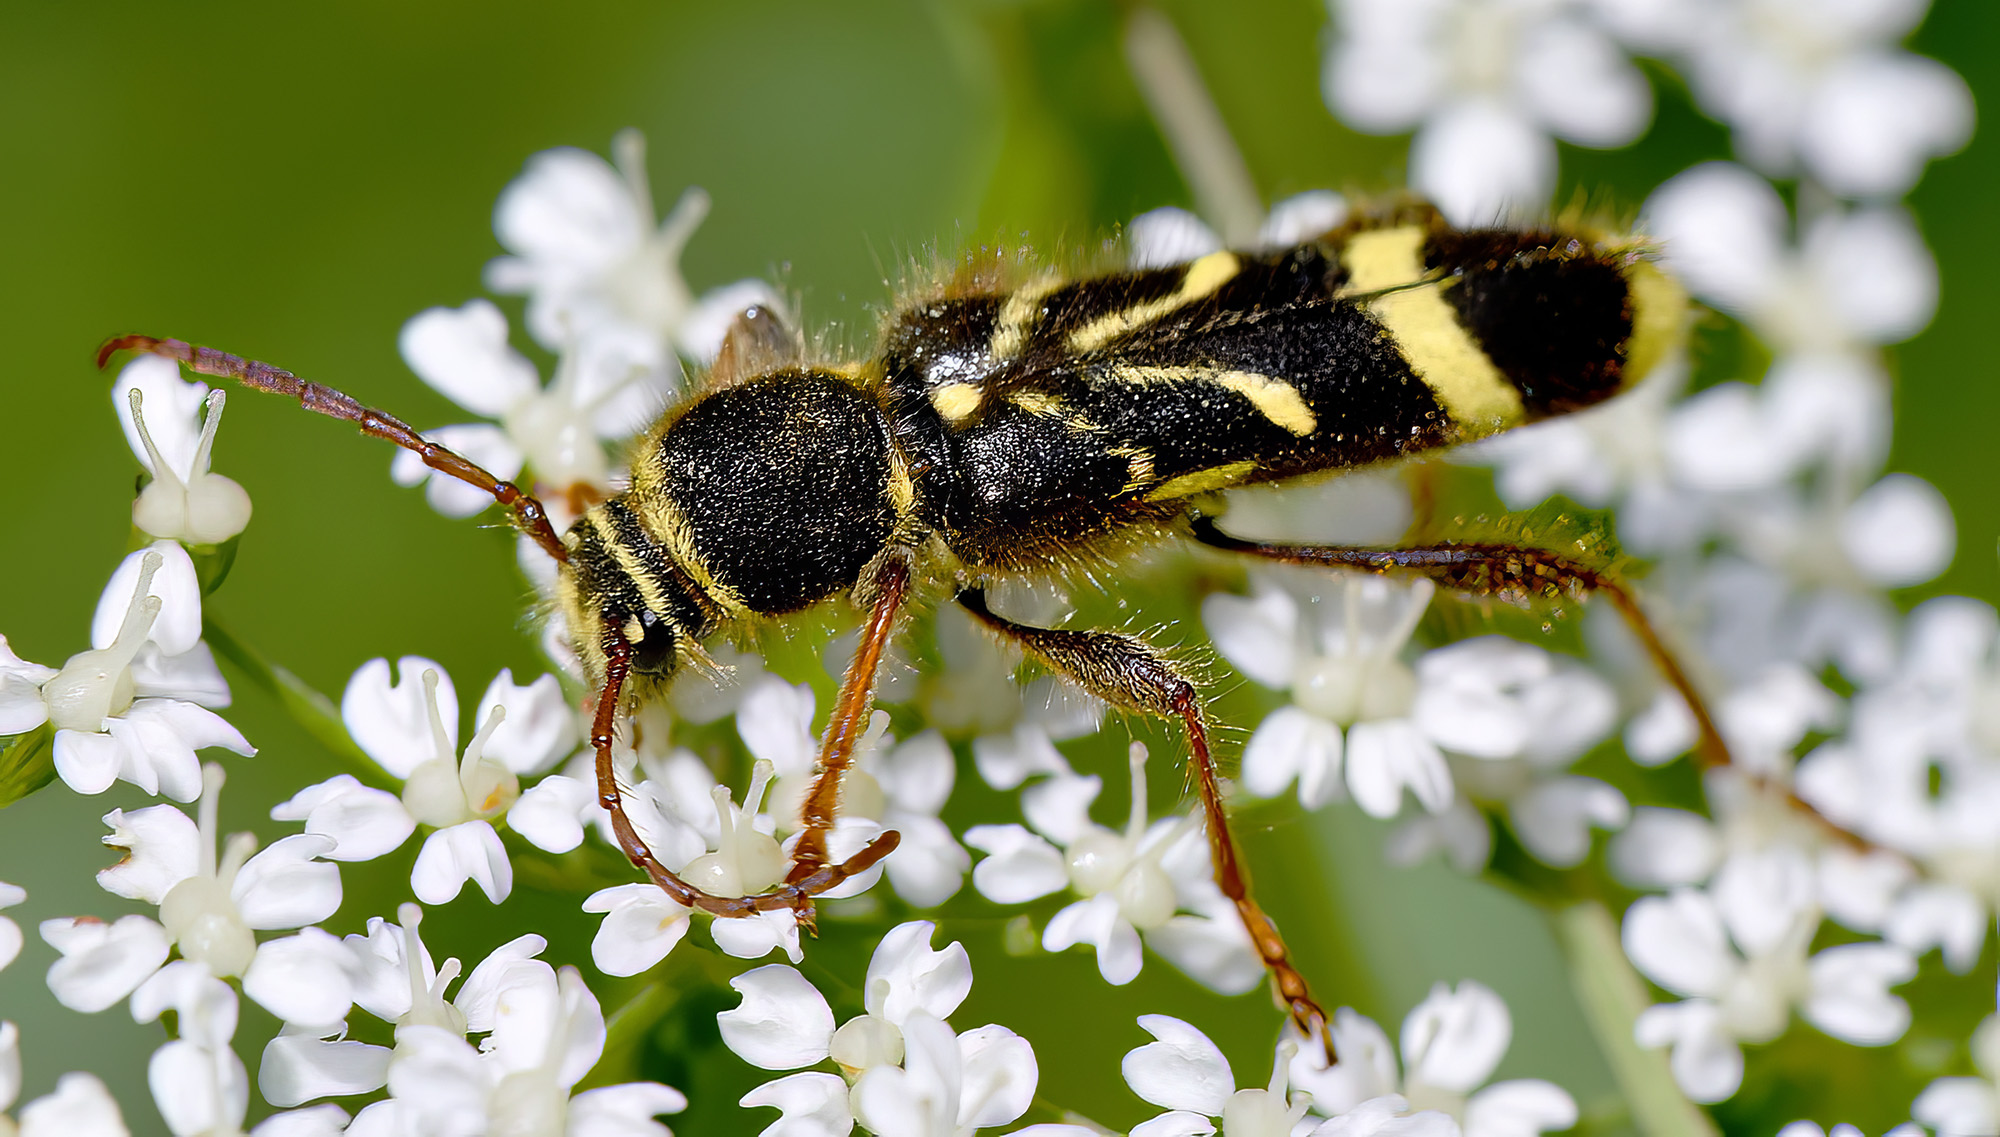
(391, 722)
(540, 727)
(171, 406)
(1383, 75)
(783, 1022)
(1850, 998)
(1706, 1062)
(157, 740)
(1059, 808)
(463, 354)
(296, 1068)
(102, 963)
(178, 626)
(1168, 236)
(1366, 1070)
(812, 1104)
(198, 1090)
(1385, 756)
(1481, 162)
(1005, 761)
(625, 1109)
(1019, 867)
(1554, 819)
(1899, 532)
(1679, 942)
(1764, 896)
(929, 867)
(905, 975)
(1182, 1070)
(1931, 915)
(550, 813)
(458, 853)
(999, 1077)
(364, 823)
(1213, 952)
(80, 1107)
(286, 886)
(1173, 1123)
(1302, 218)
(1722, 230)
(1519, 1108)
(305, 979)
(1878, 116)
(1098, 922)
(1454, 1039)
(87, 763)
(1958, 1107)
(162, 848)
(775, 720)
(1662, 848)
(1257, 634)
(918, 774)
(1293, 744)
(1579, 82)
(325, 1120)
(753, 937)
(641, 925)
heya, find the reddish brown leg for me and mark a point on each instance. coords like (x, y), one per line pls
(890, 585)
(528, 513)
(794, 894)
(1498, 570)
(1128, 672)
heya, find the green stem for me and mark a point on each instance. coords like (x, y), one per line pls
(1612, 996)
(306, 705)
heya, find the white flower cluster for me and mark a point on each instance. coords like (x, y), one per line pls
(1775, 532)
(1810, 90)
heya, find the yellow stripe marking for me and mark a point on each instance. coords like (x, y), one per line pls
(1018, 317)
(1201, 481)
(663, 522)
(1045, 405)
(1275, 399)
(628, 562)
(956, 400)
(1478, 397)
(1138, 467)
(1203, 278)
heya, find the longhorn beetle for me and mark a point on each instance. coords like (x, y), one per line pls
(1001, 432)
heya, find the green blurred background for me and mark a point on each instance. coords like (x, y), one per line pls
(293, 183)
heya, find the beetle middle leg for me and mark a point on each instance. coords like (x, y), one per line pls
(1128, 672)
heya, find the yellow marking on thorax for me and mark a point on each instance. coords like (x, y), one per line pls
(1202, 481)
(1275, 399)
(1426, 330)
(628, 562)
(1203, 278)
(902, 489)
(1019, 314)
(1045, 405)
(956, 400)
(1138, 467)
(662, 521)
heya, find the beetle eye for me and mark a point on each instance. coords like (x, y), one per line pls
(653, 654)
